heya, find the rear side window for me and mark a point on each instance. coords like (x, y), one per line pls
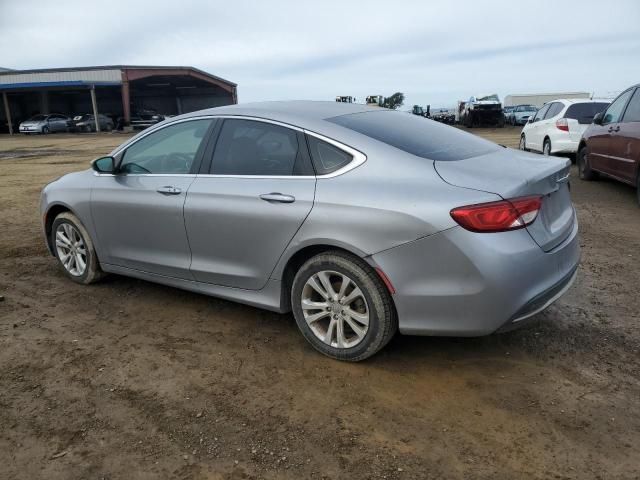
(632, 114)
(554, 110)
(248, 147)
(326, 157)
(416, 135)
(584, 112)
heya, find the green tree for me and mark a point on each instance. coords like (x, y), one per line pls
(394, 101)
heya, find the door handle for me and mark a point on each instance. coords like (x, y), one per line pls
(169, 190)
(277, 197)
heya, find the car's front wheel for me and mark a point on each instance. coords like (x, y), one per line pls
(342, 307)
(74, 249)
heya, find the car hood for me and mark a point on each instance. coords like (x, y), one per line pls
(32, 124)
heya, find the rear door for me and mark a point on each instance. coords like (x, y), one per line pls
(57, 123)
(601, 157)
(625, 142)
(533, 133)
(243, 210)
(138, 212)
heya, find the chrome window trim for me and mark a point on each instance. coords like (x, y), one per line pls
(358, 157)
(98, 174)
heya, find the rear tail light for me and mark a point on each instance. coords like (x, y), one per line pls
(562, 124)
(498, 216)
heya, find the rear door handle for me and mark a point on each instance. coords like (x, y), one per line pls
(277, 197)
(169, 190)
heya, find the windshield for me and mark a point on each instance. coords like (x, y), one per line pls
(488, 98)
(528, 108)
(431, 140)
(37, 118)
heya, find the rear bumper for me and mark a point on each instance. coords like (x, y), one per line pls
(564, 145)
(461, 283)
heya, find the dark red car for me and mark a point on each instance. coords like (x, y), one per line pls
(611, 144)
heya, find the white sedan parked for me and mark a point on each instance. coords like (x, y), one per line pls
(558, 126)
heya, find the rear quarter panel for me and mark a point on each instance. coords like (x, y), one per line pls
(392, 199)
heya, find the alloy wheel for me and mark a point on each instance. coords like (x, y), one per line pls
(335, 309)
(71, 249)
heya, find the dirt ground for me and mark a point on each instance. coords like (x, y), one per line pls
(130, 380)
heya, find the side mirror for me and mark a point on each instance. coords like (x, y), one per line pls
(597, 119)
(531, 119)
(104, 165)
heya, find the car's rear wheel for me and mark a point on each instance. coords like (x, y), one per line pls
(74, 249)
(342, 307)
(546, 147)
(523, 143)
(584, 169)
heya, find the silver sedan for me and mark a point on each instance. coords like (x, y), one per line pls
(361, 221)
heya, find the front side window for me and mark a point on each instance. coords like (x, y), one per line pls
(632, 114)
(169, 150)
(249, 147)
(614, 112)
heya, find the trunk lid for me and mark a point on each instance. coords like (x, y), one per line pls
(512, 173)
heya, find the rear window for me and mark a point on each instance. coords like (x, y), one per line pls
(416, 135)
(584, 112)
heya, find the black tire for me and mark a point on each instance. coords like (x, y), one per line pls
(546, 147)
(523, 143)
(584, 170)
(382, 318)
(92, 272)
(45, 130)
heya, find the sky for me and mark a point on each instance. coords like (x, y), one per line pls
(435, 52)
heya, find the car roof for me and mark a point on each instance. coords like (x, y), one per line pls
(292, 111)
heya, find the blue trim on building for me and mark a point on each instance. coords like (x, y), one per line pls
(71, 83)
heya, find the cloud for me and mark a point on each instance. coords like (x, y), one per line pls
(435, 52)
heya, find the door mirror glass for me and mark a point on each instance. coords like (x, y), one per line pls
(104, 165)
(597, 119)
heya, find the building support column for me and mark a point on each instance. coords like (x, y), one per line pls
(44, 102)
(7, 112)
(179, 104)
(126, 102)
(94, 104)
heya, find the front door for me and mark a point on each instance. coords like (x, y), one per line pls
(533, 134)
(244, 210)
(600, 145)
(625, 142)
(138, 212)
